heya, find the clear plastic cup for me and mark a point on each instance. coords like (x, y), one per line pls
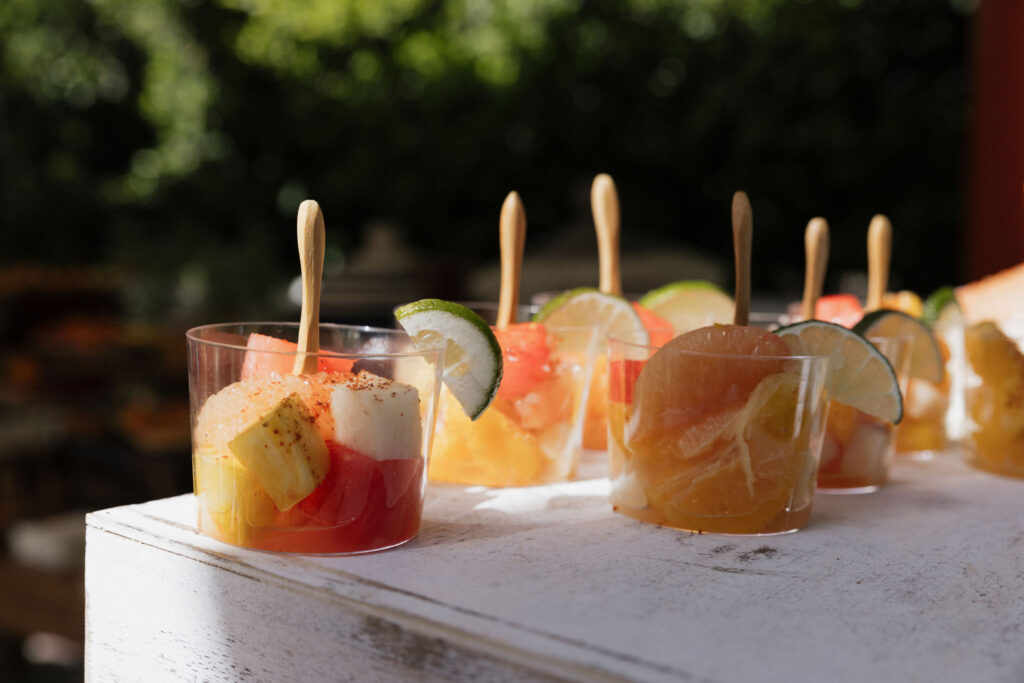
(859, 448)
(327, 463)
(995, 397)
(533, 431)
(720, 443)
(933, 416)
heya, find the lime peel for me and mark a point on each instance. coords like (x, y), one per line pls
(472, 356)
(860, 375)
(926, 360)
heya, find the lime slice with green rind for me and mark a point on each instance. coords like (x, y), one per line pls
(926, 360)
(587, 307)
(472, 357)
(859, 374)
(941, 308)
(690, 304)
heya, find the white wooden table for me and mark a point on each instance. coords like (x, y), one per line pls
(922, 581)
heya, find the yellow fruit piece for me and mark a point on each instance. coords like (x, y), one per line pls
(231, 501)
(284, 451)
(905, 301)
(492, 451)
(997, 405)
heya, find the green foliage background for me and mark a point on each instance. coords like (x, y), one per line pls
(179, 135)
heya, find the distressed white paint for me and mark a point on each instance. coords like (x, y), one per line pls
(921, 581)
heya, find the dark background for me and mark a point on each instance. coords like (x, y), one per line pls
(153, 155)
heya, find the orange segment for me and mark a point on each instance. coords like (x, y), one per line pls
(741, 470)
(678, 388)
(719, 442)
(467, 452)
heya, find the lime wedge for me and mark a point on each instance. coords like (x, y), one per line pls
(690, 304)
(472, 356)
(859, 375)
(586, 307)
(941, 309)
(925, 355)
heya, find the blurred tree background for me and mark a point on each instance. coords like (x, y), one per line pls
(177, 137)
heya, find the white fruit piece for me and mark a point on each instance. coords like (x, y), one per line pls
(378, 417)
(283, 449)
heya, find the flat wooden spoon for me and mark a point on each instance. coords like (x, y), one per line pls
(310, 223)
(816, 247)
(742, 239)
(879, 258)
(604, 204)
(512, 227)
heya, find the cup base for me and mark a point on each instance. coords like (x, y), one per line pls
(786, 522)
(849, 490)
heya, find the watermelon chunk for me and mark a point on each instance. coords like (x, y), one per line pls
(267, 355)
(526, 353)
(841, 309)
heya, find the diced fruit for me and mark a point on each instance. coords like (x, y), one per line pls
(341, 497)
(377, 417)
(231, 500)
(660, 330)
(841, 309)
(859, 374)
(926, 361)
(905, 301)
(525, 354)
(996, 297)
(238, 405)
(690, 304)
(266, 355)
(284, 452)
(464, 451)
(472, 356)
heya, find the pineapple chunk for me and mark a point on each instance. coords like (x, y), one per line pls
(377, 417)
(284, 451)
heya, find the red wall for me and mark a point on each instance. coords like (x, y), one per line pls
(995, 237)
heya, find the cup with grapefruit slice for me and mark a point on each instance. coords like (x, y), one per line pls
(717, 431)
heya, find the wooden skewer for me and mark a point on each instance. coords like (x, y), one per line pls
(310, 224)
(513, 238)
(816, 246)
(604, 204)
(879, 257)
(742, 239)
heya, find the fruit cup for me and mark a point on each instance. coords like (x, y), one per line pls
(532, 433)
(934, 415)
(718, 430)
(328, 462)
(859, 447)
(995, 397)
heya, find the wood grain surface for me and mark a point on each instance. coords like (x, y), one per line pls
(923, 580)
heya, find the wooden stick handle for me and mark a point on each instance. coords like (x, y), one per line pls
(310, 224)
(816, 246)
(879, 257)
(742, 239)
(604, 204)
(513, 238)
